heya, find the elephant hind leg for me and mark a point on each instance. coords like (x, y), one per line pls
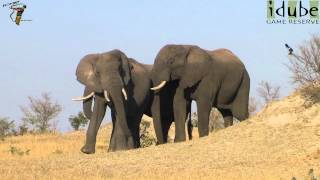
(227, 116)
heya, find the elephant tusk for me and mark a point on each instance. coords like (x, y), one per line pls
(159, 86)
(124, 94)
(83, 98)
(106, 95)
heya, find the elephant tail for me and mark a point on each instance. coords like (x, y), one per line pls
(241, 101)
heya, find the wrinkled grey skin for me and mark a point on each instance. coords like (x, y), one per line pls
(211, 78)
(113, 71)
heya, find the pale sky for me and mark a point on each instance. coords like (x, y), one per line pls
(42, 55)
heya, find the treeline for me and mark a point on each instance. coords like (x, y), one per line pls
(39, 116)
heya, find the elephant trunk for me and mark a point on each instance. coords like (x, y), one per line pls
(156, 115)
(121, 131)
(87, 104)
(160, 76)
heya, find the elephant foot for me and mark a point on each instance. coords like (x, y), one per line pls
(88, 150)
(177, 140)
(122, 143)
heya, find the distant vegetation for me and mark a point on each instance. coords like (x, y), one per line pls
(78, 121)
(40, 113)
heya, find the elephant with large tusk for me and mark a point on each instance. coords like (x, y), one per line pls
(212, 78)
(121, 83)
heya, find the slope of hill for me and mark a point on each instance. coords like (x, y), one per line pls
(281, 142)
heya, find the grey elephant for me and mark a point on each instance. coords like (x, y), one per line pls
(112, 79)
(212, 78)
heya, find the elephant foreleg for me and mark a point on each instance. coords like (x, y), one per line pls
(180, 111)
(94, 124)
(227, 116)
(204, 108)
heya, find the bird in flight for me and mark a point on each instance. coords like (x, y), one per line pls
(289, 48)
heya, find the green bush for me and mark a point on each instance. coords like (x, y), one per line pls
(78, 121)
(146, 139)
(6, 127)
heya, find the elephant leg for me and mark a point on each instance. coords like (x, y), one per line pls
(166, 127)
(180, 105)
(189, 125)
(227, 116)
(204, 108)
(94, 124)
(112, 139)
(136, 129)
(157, 120)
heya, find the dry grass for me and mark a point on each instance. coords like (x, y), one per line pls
(280, 142)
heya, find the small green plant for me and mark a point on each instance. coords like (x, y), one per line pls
(17, 151)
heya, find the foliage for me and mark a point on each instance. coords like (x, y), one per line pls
(216, 121)
(23, 129)
(305, 65)
(6, 127)
(17, 151)
(146, 139)
(78, 121)
(194, 119)
(310, 94)
(253, 106)
(268, 92)
(40, 113)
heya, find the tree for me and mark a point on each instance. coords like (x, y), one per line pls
(305, 65)
(40, 113)
(78, 121)
(268, 92)
(6, 127)
(253, 106)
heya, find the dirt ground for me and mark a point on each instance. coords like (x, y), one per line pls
(280, 142)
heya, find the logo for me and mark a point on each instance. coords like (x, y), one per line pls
(293, 12)
(17, 9)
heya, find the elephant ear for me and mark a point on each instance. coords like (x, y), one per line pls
(125, 69)
(86, 70)
(198, 63)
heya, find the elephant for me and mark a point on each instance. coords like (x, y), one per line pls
(113, 80)
(162, 108)
(215, 78)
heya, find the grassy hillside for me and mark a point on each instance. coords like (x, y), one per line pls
(281, 142)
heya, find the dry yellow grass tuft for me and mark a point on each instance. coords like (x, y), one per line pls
(281, 142)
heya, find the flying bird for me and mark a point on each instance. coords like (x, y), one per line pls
(289, 48)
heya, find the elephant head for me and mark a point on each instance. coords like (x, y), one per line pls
(105, 72)
(106, 75)
(179, 62)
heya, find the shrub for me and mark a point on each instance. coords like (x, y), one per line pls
(78, 121)
(146, 139)
(40, 113)
(305, 64)
(17, 151)
(6, 127)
